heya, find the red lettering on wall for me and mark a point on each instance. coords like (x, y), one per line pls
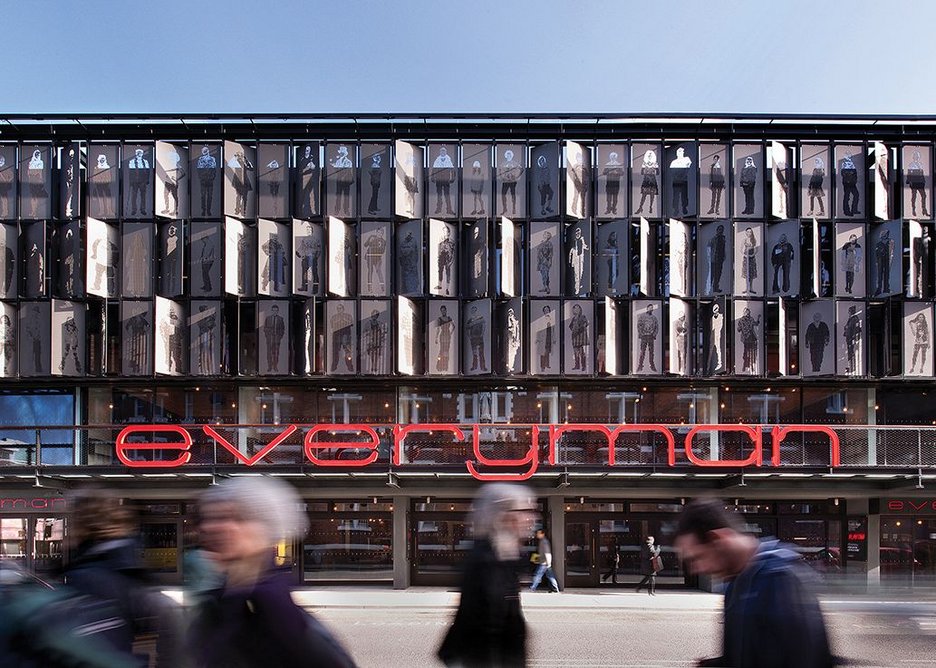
(311, 445)
(757, 454)
(779, 433)
(249, 461)
(400, 432)
(531, 460)
(124, 447)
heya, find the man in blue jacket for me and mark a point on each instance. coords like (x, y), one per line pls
(771, 619)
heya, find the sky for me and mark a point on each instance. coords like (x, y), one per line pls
(489, 56)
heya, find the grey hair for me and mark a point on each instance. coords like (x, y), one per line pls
(273, 503)
(494, 500)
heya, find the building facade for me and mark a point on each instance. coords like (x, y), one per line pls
(623, 312)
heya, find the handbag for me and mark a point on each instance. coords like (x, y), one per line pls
(535, 558)
(656, 563)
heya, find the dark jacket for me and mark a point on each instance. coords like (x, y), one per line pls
(772, 620)
(647, 554)
(489, 629)
(261, 626)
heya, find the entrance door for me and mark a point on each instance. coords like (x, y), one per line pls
(581, 563)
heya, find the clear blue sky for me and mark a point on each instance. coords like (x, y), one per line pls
(841, 56)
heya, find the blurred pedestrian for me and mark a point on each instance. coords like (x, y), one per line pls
(251, 619)
(650, 565)
(544, 567)
(614, 564)
(489, 629)
(771, 618)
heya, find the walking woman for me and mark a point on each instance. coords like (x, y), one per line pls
(649, 565)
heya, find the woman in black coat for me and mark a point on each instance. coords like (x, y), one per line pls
(649, 554)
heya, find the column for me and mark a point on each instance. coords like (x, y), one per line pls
(557, 537)
(401, 566)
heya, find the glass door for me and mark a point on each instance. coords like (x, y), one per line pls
(581, 563)
(13, 539)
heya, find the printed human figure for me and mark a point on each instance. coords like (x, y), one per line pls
(476, 186)
(781, 257)
(274, 265)
(475, 327)
(206, 260)
(444, 328)
(34, 333)
(849, 175)
(851, 261)
(817, 338)
(409, 263)
(613, 172)
(375, 248)
(171, 332)
(815, 188)
(780, 174)
(344, 179)
(35, 177)
(544, 185)
(882, 168)
(680, 175)
(544, 260)
(375, 178)
(748, 327)
(920, 250)
(35, 271)
(206, 332)
(241, 181)
(648, 328)
(545, 339)
(308, 321)
(883, 256)
(577, 259)
(70, 344)
(611, 254)
(206, 167)
(7, 176)
(102, 180)
(716, 354)
(681, 330)
(68, 262)
(172, 259)
(171, 180)
(411, 183)
(509, 173)
(683, 255)
(749, 250)
(477, 254)
(578, 325)
(375, 334)
(273, 183)
(748, 182)
(649, 186)
(138, 170)
(7, 343)
(274, 328)
(716, 185)
(342, 326)
(137, 328)
(308, 176)
(916, 181)
(513, 341)
(715, 250)
(442, 174)
(9, 264)
(102, 252)
(851, 332)
(446, 260)
(309, 252)
(581, 179)
(919, 332)
(70, 166)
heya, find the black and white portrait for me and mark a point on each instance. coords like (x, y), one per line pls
(35, 186)
(510, 194)
(374, 259)
(273, 255)
(376, 181)
(681, 334)
(443, 180)
(341, 337)
(817, 349)
(240, 180)
(409, 333)
(714, 174)
(409, 258)
(578, 180)
(172, 181)
(204, 328)
(273, 181)
(443, 258)
(921, 253)
(9, 262)
(137, 241)
(850, 249)
(240, 256)
(476, 337)
(610, 178)
(341, 179)
(375, 340)
(101, 258)
(103, 187)
(783, 259)
(577, 258)
(917, 336)
(34, 343)
(917, 167)
(850, 332)
(8, 182)
(886, 248)
(748, 336)
(748, 173)
(204, 256)
(510, 336)
(136, 338)
(850, 198)
(545, 320)
(476, 258)
(443, 337)
(781, 174)
(69, 204)
(171, 338)
(308, 253)
(815, 180)
(508, 260)
(612, 269)
(9, 360)
(68, 338)
(308, 180)
(680, 258)
(476, 180)
(544, 258)
(714, 258)
(310, 341)
(682, 179)
(409, 190)
(715, 336)
(138, 178)
(749, 259)
(206, 182)
(34, 259)
(171, 245)
(645, 180)
(342, 260)
(882, 178)
(646, 337)
(578, 325)
(272, 338)
(545, 177)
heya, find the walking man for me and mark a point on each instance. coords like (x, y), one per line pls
(544, 564)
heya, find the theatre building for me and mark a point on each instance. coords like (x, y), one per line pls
(621, 312)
